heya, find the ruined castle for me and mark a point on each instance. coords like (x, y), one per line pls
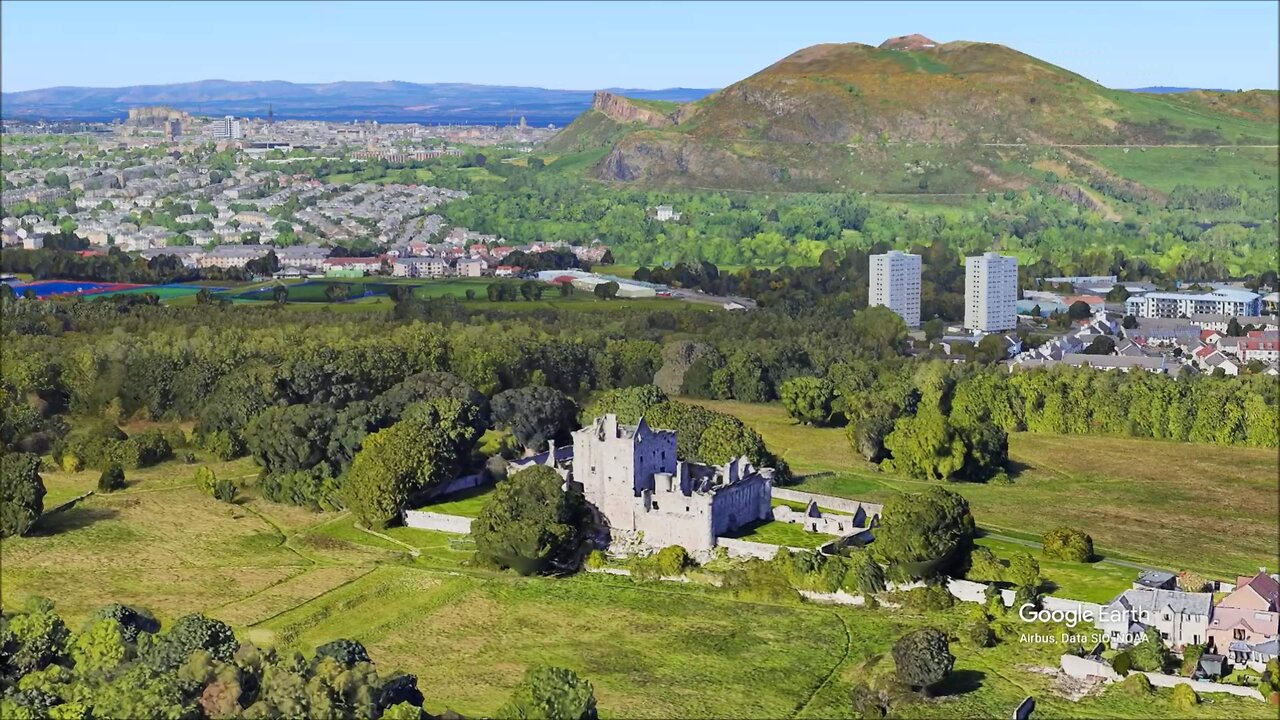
(631, 476)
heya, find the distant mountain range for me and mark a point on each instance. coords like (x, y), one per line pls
(383, 101)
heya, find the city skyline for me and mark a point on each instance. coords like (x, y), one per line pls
(561, 45)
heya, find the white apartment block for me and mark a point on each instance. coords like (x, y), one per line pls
(1224, 302)
(895, 284)
(990, 293)
(228, 128)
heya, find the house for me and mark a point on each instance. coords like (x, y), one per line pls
(1156, 580)
(1259, 345)
(665, 213)
(507, 271)
(1246, 623)
(1181, 618)
(1210, 667)
(354, 264)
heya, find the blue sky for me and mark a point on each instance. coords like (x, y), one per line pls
(594, 45)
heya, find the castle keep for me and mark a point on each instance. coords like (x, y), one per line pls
(631, 476)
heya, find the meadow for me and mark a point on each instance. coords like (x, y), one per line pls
(1163, 169)
(292, 578)
(1171, 505)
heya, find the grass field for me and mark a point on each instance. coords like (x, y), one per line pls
(293, 578)
(1097, 582)
(774, 532)
(1164, 169)
(1172, 505)
(466, 503)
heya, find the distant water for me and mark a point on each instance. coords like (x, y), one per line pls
(533, 119)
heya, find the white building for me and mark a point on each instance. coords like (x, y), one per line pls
(895, 284)
(420, 267)
(1227, 302)
(471, 267)
(990, 293)
(1181, 618)
(228, 128)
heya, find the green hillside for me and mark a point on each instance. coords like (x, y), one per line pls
(916, 117)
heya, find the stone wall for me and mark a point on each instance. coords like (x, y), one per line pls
(426, 520)
(824, 523)
(869, 510)
(1079, 667)
(746, 548)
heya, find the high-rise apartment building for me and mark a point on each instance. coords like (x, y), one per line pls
(228, 128)
(895, 283)
(990, 293)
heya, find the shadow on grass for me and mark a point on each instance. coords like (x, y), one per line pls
(1015, 469)
(70, 519)
(960, 682)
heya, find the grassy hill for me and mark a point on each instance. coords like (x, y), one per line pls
(904, 117)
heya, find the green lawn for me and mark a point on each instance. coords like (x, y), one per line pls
(774, 532)
(1173, 505)
(1097, 582)
(466, 503)
(1164, 169)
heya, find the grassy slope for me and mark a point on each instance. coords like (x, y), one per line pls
(1165, 168)
(1177, 505)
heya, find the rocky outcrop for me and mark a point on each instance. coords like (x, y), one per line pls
(621, 109)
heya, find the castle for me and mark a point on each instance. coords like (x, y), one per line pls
(631, 476)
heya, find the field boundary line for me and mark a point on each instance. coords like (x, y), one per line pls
(844, 657)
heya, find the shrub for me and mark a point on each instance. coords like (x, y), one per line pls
(1136, 685)
(1190, 658)
(671, 561)
(111, 479)
(1068, 544)
(1184, 698)
(224, 490)
(21, 494)
(205, 480)
(923, 658)
(755, 579)
(980, 634)
(71, 463)
(1122, 663)
(1191, 582)
(142, 450)
(596, 559)
(189, 458)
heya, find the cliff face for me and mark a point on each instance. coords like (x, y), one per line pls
(620, 109)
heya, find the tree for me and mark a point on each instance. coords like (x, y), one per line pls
(529, 523)
(1129, 322)
(984, 566)
(1150, 654)
(1068, 544)
(188, 634)
(809, 400)
(925, 446)
(1184, 698)
(281, 294)
(290, 438)
(336, 292)
(111, 479)
(981, 635)
(923, 658)
(864, 575)
(1101, 345)
(535, 415)
(924, 534)
(879, 330)
(21, 493)
(606, 290)
(551, 693)
(934, 329)
(1023, 570)
(425, 448)
(1234, 329)
(1079, 310)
